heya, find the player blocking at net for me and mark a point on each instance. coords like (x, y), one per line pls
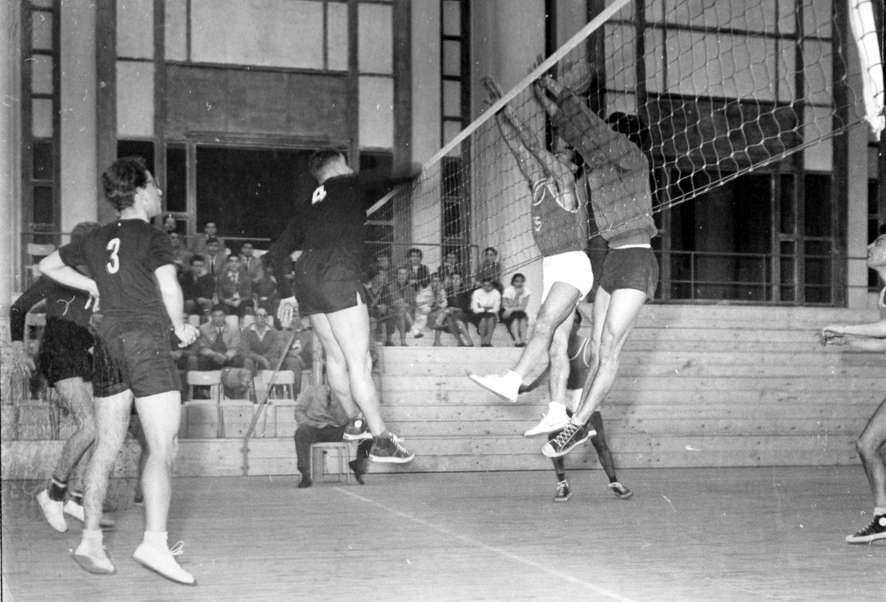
(618, 176)
(558, 206)
(328, 229)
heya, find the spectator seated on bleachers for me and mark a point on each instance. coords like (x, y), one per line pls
(250, 262)
(419, 275)
(514, 302)
(490, 268)
(214, 256)
(485, 305)
(198, 287)
(219, 343)
(402, 305)
(235, 288)
(458, 311)
(262, 346)
(181, 255)
(201, 241)
(448, 268)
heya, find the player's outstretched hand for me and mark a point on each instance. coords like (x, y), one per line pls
(286, 311)
(187, 334)
(832, 334)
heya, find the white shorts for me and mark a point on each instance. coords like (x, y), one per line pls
(572, 268)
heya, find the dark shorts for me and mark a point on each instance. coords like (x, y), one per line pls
(64, 351)
(140, 360)
(635, 268)
(325, 282)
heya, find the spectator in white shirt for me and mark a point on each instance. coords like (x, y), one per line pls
(485, 304)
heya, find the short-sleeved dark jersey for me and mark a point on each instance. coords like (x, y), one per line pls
(333, 220)
(122, 257)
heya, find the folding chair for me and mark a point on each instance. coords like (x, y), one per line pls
(209, 410)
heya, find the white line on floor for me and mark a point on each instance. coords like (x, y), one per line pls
(471, 541)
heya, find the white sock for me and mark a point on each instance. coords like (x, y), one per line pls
(157, 539)
(555, 407)
(92, 537)
(879, 511)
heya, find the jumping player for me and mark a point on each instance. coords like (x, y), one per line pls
(618, 177)
(329, 230)
(559, 226)
(132, 264)
(579, 364)
(65, 361)
(871, 443)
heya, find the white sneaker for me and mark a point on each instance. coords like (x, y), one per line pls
(93, 560)
(72, 508)
(162, 561)
(553, 421)
(52, 511)
(507, 385)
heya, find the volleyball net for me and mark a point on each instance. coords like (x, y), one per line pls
(721, 89)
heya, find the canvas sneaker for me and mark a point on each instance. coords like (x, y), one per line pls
(874, 531)
(570, 437)
(620, 491)
(506, 385)
(52, 511)
(387, 449)
(563, 492)
(72, 508)
(162, 561)
(554, 420)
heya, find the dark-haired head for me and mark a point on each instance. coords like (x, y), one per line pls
(121, 180)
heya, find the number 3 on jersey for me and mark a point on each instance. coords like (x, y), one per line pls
(113, 266)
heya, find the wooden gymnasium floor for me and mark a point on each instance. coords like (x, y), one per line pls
(688, 534)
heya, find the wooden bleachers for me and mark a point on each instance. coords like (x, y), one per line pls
(698, 386)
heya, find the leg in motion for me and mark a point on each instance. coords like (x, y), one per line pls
(602, 447)
(76, 396)
(111, 420)
(870, 446)
(555, 418)
(350, 330)
(159, 415)
(557, 306)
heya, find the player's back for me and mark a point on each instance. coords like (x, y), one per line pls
(122, 257)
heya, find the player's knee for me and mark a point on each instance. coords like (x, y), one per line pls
(868, 447)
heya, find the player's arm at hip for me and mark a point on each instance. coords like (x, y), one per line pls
(171, 293)
(53, 267)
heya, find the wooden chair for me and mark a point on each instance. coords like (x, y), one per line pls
(282, 384)
(209, 409)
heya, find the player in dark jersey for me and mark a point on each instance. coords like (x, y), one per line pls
(329, 231)
(617, 172)
(871, 445)
(134, 275)
(559, 227)
(65, 361)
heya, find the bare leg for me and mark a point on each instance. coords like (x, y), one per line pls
(622, 309)
(111, 421)
(559, 358)
(350, 336)
(160, 416)
(336, 366)
(557, 306)
(870, 449)
(77, 395)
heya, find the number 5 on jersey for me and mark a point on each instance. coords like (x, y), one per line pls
(113, 266)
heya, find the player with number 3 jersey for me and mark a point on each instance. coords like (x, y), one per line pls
(134, 277)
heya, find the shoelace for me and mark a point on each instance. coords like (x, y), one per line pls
(178, 549)
(565, 435)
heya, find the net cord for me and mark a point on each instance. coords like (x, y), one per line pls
(533, 75)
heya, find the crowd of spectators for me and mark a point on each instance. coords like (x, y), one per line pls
(409, 300)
